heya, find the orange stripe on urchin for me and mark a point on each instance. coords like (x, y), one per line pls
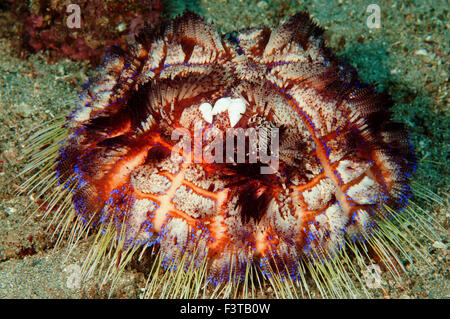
(341, 158)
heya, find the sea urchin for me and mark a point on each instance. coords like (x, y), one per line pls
(337, 170)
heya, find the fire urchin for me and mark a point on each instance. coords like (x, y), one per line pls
(342, 176)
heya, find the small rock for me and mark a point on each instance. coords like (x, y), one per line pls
(261, 4)
(121, 27)
(10, 210)
(61, 70)
(421, 52)
(439, 245)
(429, 39)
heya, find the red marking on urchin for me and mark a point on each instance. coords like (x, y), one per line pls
(341, 158)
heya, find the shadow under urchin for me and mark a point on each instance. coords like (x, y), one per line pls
(342, 180)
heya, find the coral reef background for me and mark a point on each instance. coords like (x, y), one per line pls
(48, 25)
(408, 56)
